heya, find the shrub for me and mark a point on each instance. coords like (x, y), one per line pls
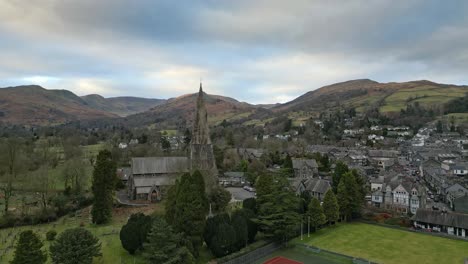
(50, 235)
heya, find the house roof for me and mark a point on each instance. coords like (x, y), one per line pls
(379, 153)
(441, 218)
(234, 174)
(461, 204)
(317, 185)
(299, 163)
(158, 165)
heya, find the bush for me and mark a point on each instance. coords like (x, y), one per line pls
(50, 235)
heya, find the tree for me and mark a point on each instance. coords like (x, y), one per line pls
(104, 181)
(264, 184)
(224, 240)
(330, 207)
(165, 246)
(347, 193)
(11, 165)
(439, 127)
(133, 233)
(165, 144)
(28, 249)
(250, 203)
(188, 208)
(252, 226)
(230, 139)
(340, 169)
(43, 182)
(211, 226)
(239, 222)
(278, 215)
(75, 246)
(219, 199)
(315, 212)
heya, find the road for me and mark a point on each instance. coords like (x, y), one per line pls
(239, 193)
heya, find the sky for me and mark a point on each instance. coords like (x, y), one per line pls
(263, 51)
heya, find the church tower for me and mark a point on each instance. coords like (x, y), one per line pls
(201, 149)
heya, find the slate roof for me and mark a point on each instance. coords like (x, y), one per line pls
(317, 185)
(158, 165)
(461, 204)
(299, 163)
(148, 181)
(441, 218)
(383, 153)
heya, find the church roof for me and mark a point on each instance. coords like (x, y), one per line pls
(157, 165)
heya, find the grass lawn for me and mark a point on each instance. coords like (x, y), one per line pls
(385, 245)
(112, 251)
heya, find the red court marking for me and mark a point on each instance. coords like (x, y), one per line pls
(281, 260)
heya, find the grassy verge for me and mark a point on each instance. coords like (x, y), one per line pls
(385, 245)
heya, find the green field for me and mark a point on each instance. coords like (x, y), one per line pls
(425, 95)
(112, 251)
(386, 245)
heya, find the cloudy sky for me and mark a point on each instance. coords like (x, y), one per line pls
(263, 51)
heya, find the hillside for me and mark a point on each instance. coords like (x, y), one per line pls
(121, 106)
(180, 110)
(365, 94)
(34, 105)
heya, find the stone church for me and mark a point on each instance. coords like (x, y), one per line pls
(151, 176)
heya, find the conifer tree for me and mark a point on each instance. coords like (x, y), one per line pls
(330, 207)
(315, 212)
(104, 181)
(75, 246)
(347, 193)
(28, 249)
(187, 212)
(165, 246)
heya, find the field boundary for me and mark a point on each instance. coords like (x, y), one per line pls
(407, 229)
(318, 250)
(254, 255)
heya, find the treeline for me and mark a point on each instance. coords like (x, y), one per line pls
(33, 184)
(458, 105)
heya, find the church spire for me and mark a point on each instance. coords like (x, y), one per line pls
(201, 133)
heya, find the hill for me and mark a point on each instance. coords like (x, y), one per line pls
(34, 105)
(364, 94)
(121, 106)
(181, 111)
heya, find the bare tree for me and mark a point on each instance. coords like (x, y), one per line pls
(11, 152)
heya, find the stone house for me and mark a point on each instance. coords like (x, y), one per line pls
(304, 168)
(451, 223)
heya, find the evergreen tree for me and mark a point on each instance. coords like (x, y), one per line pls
(239, 222)
(211, 226)
(104, 181)
(252, 227)
(75, 246)
(278, 215)
(219, 198)
(224, 240)
(28, 249)
(347, 193)
(133, 233)
(187, 212)
(165, 246)
(264, 185)
(315, 212)
(250, 203)
(330, 207)
(340, 169)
